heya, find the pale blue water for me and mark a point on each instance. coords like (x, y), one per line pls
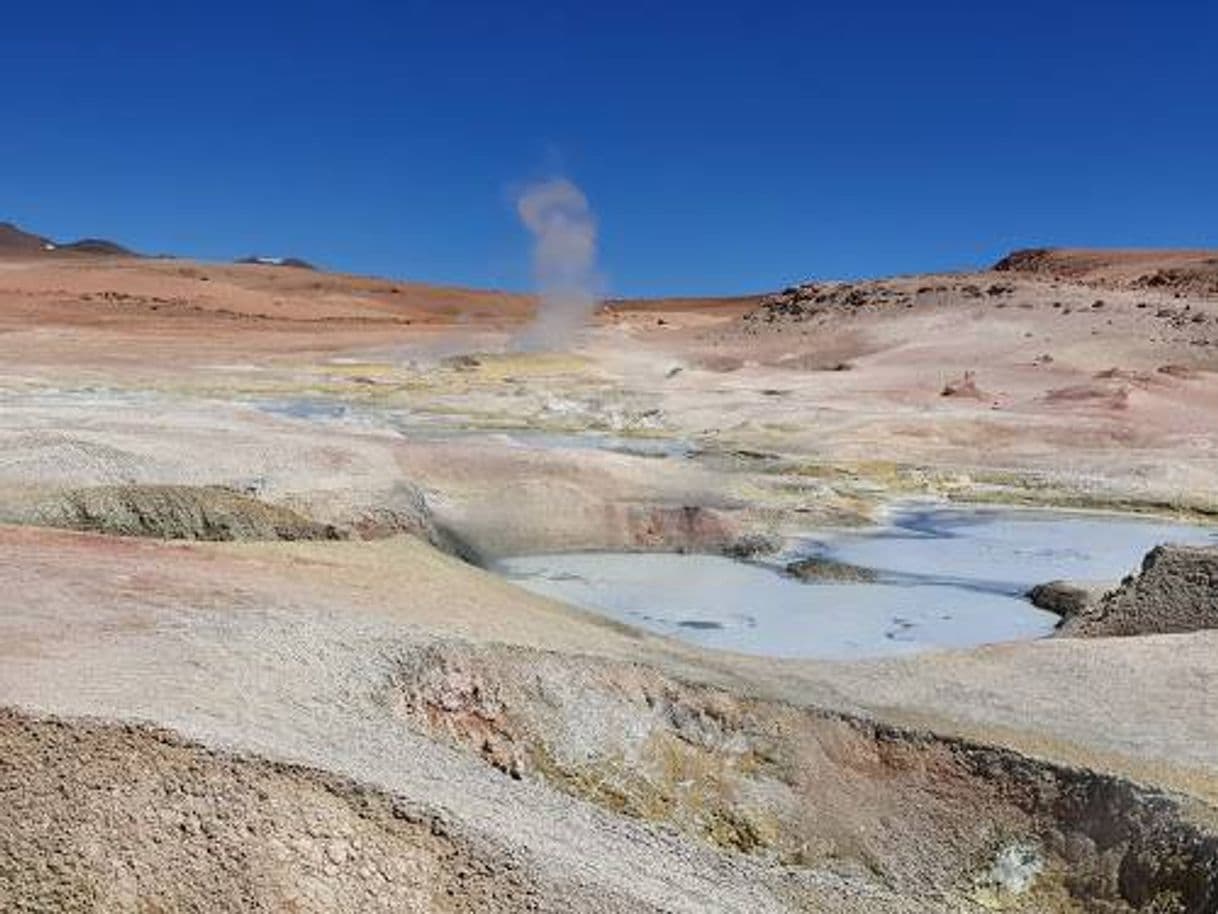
(947, 578)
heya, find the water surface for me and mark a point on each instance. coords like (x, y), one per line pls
(945, 578)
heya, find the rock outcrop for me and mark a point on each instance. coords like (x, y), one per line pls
(1176, 591)
(175, 512)
(1066, 598)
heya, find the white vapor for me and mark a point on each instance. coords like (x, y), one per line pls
(556, 212)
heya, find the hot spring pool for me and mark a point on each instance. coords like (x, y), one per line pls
(945, 577)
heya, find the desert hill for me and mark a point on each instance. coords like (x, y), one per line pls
(17, 242)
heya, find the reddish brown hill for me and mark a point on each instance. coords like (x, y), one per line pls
(14, 240)
(17, 242)
(98, 246)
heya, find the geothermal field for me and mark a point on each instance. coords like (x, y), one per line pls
(328, 593)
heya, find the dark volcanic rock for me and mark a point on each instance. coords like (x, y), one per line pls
(1026, 260)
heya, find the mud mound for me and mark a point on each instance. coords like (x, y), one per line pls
(931, 818)
(114, 818)
(175, 512)
(1176, 591)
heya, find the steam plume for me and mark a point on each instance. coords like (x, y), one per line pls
(556, 212)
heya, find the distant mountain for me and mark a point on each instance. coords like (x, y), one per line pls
(277, 262)
(98, 246)
(16, 242)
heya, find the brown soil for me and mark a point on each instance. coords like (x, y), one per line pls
(101, 817)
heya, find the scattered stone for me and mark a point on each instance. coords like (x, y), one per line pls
(1065, 598)
(819, 568)
(965, 386)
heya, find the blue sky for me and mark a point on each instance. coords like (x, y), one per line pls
(725, 147)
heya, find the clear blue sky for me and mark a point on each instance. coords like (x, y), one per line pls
(725, 147)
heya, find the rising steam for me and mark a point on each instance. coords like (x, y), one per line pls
(557, 214)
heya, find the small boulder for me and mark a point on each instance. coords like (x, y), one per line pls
(819, 568)
(1065, 598)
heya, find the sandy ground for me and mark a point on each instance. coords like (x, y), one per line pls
(691, 424)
